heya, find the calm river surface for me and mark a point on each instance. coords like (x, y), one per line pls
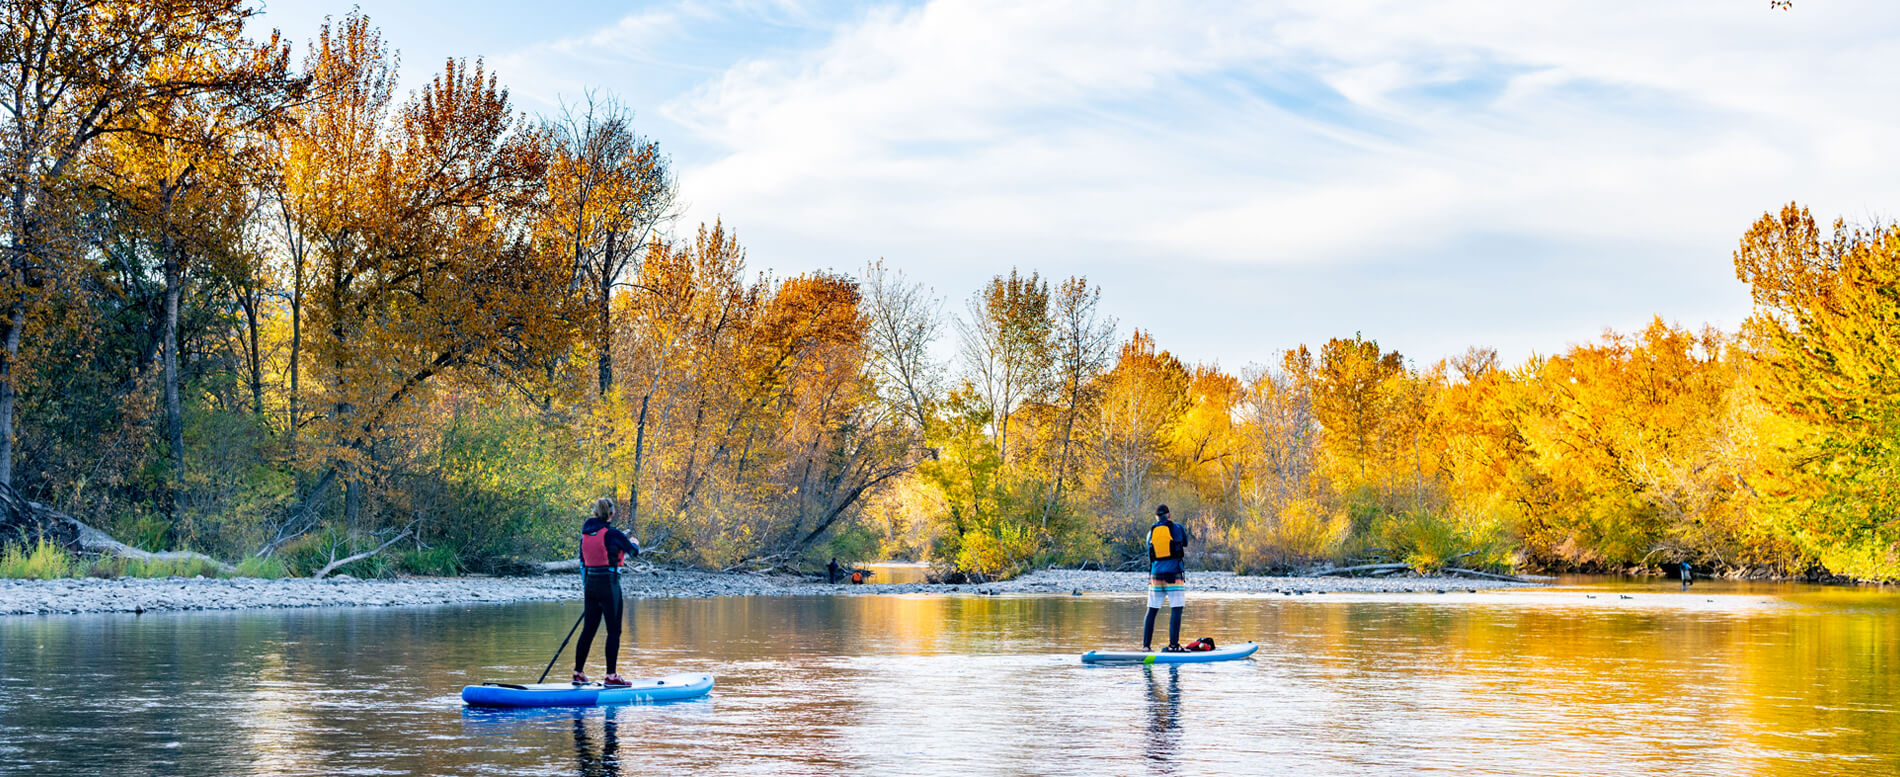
(1727, 679)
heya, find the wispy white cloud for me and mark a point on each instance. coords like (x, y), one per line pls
(963, 136)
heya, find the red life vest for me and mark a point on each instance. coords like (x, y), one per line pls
(594, 550)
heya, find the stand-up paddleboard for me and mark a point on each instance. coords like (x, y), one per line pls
(1229, 653)
(673, 686)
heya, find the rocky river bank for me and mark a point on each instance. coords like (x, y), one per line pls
(88, 595)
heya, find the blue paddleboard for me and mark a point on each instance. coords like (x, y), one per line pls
(1229, 653)
(673, 686)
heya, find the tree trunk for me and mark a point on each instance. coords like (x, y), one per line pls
(16, 321)
(296, 324)
(606, 322)
(1062, 463)
(639, 448)
(257, 357)
(174, 418)
(352, 501)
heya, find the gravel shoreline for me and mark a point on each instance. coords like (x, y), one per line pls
(87, 595)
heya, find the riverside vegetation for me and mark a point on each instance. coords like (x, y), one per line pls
(261, 307)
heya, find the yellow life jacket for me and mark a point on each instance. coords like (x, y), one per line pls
(1161, 542)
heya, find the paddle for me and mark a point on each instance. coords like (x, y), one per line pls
(557, 651)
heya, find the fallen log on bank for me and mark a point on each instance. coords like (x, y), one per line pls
(1388, 568)
(32, 522)
(574, 564)
(1486, 575)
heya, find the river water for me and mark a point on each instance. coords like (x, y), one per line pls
(1726, 679)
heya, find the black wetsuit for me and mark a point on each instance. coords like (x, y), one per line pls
(600, 585)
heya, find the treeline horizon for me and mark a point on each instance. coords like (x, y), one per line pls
(258, 306)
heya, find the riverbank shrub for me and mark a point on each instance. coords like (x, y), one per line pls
(267, 568)
(432, 562)
(112, 566)
(1281, 539)
(1430, 541)
(45, 560)
(506, 484)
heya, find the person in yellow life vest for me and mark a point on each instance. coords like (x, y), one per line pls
(1167, 551)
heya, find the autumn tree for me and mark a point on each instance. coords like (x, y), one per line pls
(1627, 436)
(1483, 456)
(1005, 347)
(1143, 397)
(1207, 443)
(1282, 515)
(1082, 338)
(421, 265)
(183, 172)
(1281, 432)
(680, 340)
(1826, 361)
(608, 189)
(1350, 402)
(71, 73)
(902, 321)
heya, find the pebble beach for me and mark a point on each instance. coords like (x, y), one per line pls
(88, 595)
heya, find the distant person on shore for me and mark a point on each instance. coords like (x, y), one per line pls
(1167, 549)
(1688, 576)
(603, 548)
(831, 570)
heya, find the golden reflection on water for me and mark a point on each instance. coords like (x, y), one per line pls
(1731, 680)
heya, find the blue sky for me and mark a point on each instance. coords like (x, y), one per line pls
(1239, 178)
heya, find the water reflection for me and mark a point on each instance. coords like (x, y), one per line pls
(1164, 716)
(590, 761)
(897, 572)
(1738, 679)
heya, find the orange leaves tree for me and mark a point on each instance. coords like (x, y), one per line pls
(1825, 345)
(1143, 397)
(179, 176)
(747, 424)
(608, 189)
(73, 72)
(1630, 443)
(421, 264)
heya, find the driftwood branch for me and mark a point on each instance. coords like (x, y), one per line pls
(347, 560)
(766, 562)
(1485, 575)
(1361, 568)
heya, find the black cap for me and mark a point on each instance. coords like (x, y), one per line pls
(1161, 510)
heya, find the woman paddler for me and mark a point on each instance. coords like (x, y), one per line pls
(603, 548)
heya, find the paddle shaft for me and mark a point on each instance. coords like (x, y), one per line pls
(557, 651)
